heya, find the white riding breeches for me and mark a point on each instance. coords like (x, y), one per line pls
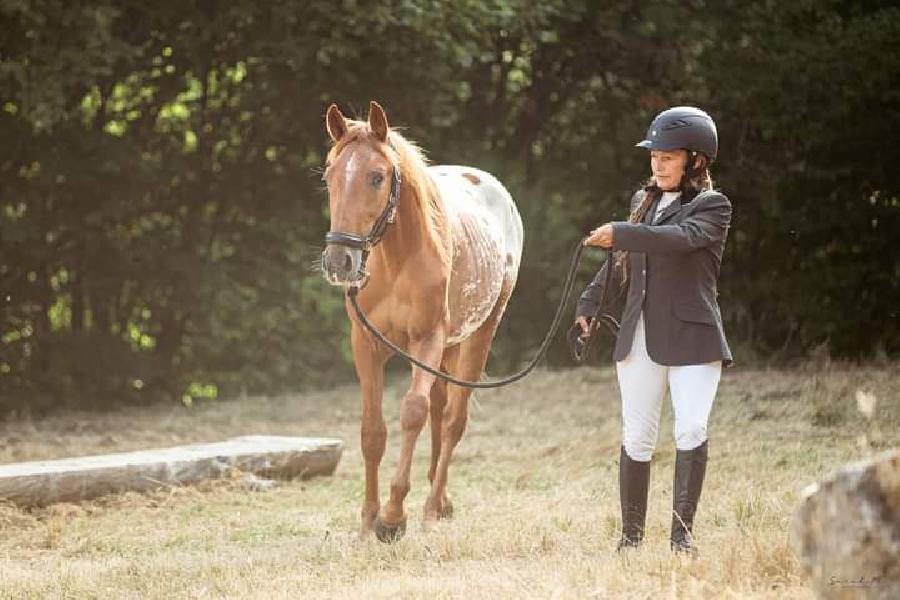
(643, 382)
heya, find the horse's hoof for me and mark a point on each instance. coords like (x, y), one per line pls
(389, 534)
(444, 513)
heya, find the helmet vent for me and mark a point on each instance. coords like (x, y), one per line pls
(676, 124)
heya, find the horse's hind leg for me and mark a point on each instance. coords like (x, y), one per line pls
(438, 405)
(468, 364)
(436, 408)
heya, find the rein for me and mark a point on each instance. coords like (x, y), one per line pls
(545, 345)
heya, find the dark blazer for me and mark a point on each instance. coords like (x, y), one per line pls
(673, 270)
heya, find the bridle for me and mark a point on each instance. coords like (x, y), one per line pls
(379, 228)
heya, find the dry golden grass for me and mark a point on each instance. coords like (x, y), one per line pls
(534, 485)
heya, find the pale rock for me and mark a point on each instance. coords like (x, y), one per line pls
(847, 530)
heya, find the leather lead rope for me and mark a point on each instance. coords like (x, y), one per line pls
(545, 345)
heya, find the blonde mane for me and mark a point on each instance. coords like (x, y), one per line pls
(414, 172)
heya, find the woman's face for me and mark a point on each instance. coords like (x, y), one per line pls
(668, 167)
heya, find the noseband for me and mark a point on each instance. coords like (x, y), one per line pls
(366, 243)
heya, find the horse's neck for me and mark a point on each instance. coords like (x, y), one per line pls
(409, 236)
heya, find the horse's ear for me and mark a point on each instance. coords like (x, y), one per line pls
(335, 123)
(378, 121)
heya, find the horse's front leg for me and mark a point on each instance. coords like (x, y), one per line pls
(369, 358)
(391, 523)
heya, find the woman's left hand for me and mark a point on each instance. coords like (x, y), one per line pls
(602, 236)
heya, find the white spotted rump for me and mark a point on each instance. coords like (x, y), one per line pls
(487, 235)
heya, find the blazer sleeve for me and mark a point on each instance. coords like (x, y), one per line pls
(589, 300)
(706, 225)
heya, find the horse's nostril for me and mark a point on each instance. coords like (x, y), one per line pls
(348, 263)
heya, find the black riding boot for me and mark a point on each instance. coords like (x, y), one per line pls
(690, 467)
(634, 480)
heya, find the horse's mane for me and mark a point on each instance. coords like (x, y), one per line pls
(414, 171)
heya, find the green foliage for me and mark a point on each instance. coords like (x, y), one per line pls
(160, 210)
(813, 257)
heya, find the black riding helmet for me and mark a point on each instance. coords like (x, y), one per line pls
(683, 128)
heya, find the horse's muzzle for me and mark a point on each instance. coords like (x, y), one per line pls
(343, 265)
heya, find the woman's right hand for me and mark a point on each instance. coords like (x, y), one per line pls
(585, 323)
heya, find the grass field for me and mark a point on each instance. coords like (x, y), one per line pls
(534, 485)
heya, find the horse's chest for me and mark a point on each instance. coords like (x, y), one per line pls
(478, 273)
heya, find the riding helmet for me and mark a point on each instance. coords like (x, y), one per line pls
(682, 127)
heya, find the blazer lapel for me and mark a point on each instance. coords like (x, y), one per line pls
(669, 211)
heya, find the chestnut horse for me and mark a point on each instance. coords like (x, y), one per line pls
(435, 253)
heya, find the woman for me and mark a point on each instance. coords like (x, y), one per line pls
(668, 256)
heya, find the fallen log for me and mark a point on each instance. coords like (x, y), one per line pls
(39, 483)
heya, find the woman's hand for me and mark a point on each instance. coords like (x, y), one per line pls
(602, 236)
(585, 323)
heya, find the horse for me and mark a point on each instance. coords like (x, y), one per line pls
(434, 274)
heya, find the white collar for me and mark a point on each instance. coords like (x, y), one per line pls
(668, 197)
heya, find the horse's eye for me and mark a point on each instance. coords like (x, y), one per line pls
(377, 178)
